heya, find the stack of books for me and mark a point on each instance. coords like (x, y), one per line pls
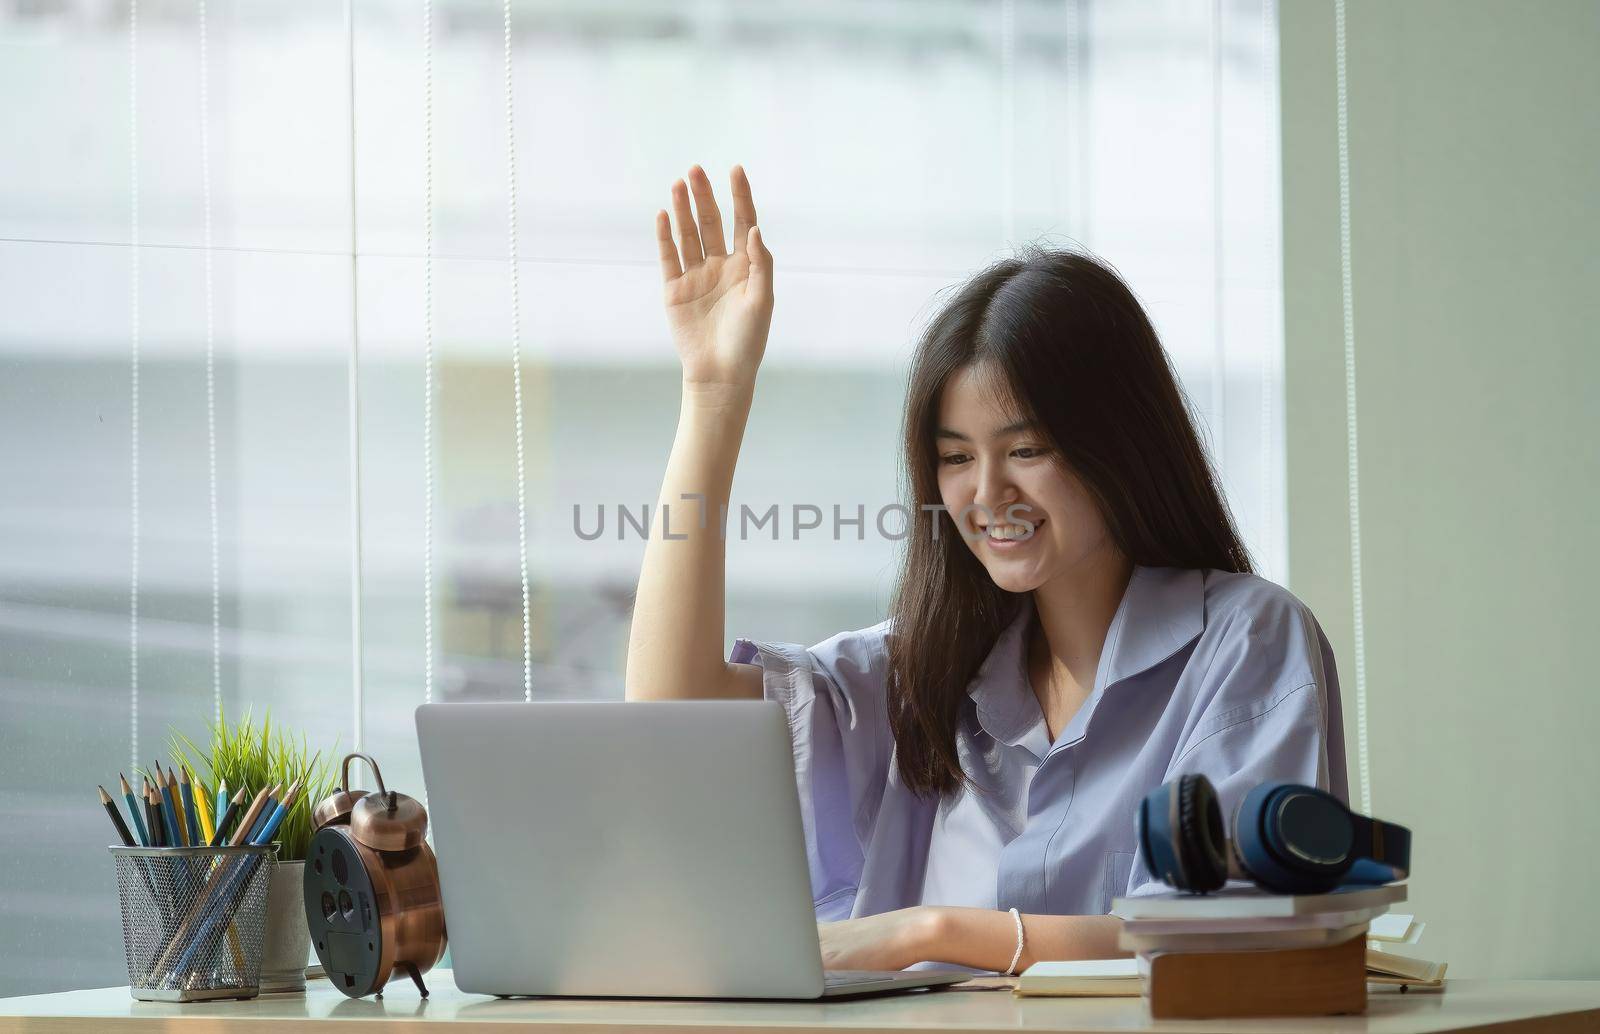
(1244, 952)
(1244, 918)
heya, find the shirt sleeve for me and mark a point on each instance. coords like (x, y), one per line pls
(835, 697)
(1264, 714)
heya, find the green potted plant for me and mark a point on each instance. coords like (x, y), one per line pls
(248, 757)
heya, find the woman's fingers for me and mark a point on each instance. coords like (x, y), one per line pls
(744, 207)
(760, 263)
(705, 202)
(688, 235)
(701, 237)
(671, 268)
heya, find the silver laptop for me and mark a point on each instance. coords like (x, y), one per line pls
(627, 850)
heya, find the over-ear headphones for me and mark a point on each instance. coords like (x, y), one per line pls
(372, 887)
(1288, 838)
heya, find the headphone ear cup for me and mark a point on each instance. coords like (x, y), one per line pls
(1200, 834)
(1261, 853)
(1142, 832)
(1158, 836)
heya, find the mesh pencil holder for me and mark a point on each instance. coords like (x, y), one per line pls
(193, 920)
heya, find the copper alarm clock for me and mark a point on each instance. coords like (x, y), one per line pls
(372, 888)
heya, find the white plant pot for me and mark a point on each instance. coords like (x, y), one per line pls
(288, 940)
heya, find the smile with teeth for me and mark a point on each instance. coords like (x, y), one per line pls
(1012, 532)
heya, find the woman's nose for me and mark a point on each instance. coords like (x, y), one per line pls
(995, 491)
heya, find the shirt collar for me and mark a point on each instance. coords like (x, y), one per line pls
(1162, 611)
(1006, 706)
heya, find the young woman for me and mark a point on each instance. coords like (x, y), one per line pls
(1075, 621)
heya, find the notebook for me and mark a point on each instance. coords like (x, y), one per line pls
(1387, 967)
(1258, 924)
(1260, 940)
(1238, 903)
(1396, 929)
(1082, 978)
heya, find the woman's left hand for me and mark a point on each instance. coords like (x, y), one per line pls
(889, 940)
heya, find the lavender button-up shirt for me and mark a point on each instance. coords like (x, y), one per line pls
(1202, 671)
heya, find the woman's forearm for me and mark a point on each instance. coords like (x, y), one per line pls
(985, 939)
(719, 309)
(675, 642)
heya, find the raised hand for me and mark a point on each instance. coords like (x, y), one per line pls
(719, 304)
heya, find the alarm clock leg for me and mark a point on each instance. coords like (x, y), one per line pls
(416, 978)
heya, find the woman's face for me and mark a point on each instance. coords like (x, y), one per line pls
(998, 475)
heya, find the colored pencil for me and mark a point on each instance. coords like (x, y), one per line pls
(222, 801)
(170, 814)
(116, 817)
(271, 827)
(133, 810)
(178, 817)
(190, 817)
(166, 808)
(163, 840)
(227, 816)
(248, 820)
(266, 813)
(158, 825)
(202, 803)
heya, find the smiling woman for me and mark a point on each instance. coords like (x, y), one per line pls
(1075, 620)
(1040, 393)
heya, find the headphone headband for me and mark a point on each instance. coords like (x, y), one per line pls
(1381, 848)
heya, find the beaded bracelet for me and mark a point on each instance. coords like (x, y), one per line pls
(1011, 970)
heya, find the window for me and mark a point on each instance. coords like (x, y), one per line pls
(894, 148)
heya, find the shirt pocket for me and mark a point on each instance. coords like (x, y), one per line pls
(1118, 865)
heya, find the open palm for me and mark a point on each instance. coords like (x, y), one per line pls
(719, 304)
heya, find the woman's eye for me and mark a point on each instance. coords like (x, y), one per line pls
(1028, 452)
(954, 458)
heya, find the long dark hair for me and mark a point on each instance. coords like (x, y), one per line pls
(1084, 365)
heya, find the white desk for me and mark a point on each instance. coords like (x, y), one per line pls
(1500, 1006)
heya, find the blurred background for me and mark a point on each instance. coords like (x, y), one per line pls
(269, 211)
